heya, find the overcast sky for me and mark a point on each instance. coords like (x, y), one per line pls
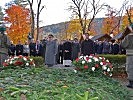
(56, 12)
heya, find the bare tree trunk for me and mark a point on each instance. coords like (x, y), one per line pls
(32, 18)
(38, 14)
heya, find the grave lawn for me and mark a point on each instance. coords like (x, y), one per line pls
(58, 84)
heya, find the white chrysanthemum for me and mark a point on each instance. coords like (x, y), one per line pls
(110, 75)
(104, 67)
(11, 62)
(96, 59)
(6, 60)
(93, 68)
(24, 58)
(27, 64)
(15, 57)
(80, 57)
(108, 69)
(107, 60)
(75, 71)
(89, 60)
(31, 59)
(83, 62)
(90, 56)
(34, 65)
(87, 56)
(100, 57)
(101, 63)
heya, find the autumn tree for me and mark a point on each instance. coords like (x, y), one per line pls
(85, 9)
(111, 24)
(74, 29)
(19, 20)
(127, 19)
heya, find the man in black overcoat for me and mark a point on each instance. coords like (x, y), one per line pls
(60, 53)
(67, 53)
(32, 47)
(11, 49)
(19, 49)
(87, 46)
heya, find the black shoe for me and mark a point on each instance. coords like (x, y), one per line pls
(67, 65)
(130, 85)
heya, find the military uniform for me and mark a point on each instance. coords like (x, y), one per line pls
(128, 45)
(4, 42)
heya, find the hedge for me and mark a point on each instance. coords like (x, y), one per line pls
(39, 61)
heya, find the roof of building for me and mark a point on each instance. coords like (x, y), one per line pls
(120, 36)
(101, 37)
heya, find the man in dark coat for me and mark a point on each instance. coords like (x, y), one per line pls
(11, 49)
(87, 46)
(127, 43)
(38, 48)
(75, 49)
(19, 48)
(116, 48)
(60, 53)
(32, 47)
(67, 53)
(106, 47)
(99, 47)
(43, 47)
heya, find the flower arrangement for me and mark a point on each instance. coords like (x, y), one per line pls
(19, 61)
(93, 63)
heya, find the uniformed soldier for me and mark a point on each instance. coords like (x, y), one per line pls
(4, 42)
(128, 45)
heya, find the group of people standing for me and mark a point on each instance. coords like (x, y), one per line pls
(26, 49)
(64, 51)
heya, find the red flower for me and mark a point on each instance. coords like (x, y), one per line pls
(86, 67)
(96, 65)
(87, 58)
(31, 63)
(5, 64)
(20, 56)
(104, 63)
(77, 59)
(18, 63)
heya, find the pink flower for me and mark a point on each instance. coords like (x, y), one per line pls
(86, 67)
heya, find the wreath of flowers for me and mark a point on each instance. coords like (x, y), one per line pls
(93, 63)
(19, 61)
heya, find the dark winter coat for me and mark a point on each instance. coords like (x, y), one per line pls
(87, 47)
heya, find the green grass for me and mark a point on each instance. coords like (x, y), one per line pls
(58, 84)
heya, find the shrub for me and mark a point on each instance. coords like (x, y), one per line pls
(116, 59)
(39, 61)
